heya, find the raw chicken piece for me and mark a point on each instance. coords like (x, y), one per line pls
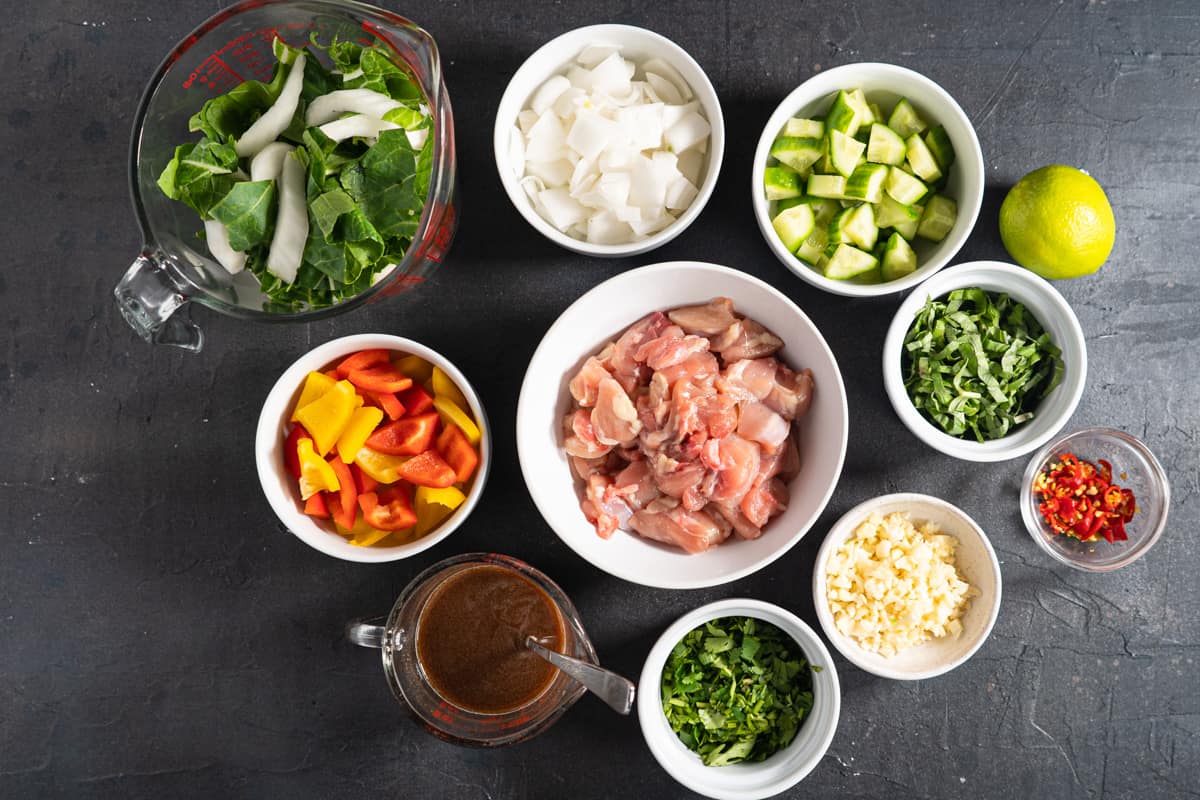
(737, 461)
(587, 382)
(604, 507)
(708, 319)
(741, 526)
(587, 467)
(621, 362)
(581, 438)
(760, 424)
(746, 339)
(668, 350)
(614, 418)
(792, 394)
(763, 501)
(694, 531)
(749, 380)
(681, 480)
(697, 368)
(718, 414)
(636, 484)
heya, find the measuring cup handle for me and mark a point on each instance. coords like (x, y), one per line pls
(366, 633)
(149, 297)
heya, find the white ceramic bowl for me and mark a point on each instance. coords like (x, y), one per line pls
(883, 84)
(551, 59)
(280, 487)
(975, 561)
(599, 317)
(741, 781)
(1056, 317)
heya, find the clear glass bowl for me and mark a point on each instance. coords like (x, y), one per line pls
(173, 268)
(1134, 468)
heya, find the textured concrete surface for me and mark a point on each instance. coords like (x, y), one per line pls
(162, 636)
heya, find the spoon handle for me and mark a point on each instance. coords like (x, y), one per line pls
(608, 686)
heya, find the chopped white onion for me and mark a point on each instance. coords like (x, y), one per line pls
(217, 235)
(275, 119)
(607, 158)
(330, 106)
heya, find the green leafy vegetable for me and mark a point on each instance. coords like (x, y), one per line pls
(365, 198)
(978, 363)
(736, 689)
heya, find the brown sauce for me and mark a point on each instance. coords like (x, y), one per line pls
(471, 639)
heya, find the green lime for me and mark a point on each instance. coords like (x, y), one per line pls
(1057, 222)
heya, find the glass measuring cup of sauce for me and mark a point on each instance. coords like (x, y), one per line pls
(454, 653)
(175, 267)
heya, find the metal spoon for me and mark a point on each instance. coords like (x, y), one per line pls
(608, 686)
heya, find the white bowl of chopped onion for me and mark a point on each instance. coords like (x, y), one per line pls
(888, 586)
(609, 140)
(600, 316)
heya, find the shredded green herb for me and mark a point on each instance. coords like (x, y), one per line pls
(978, 363)
(736, 689)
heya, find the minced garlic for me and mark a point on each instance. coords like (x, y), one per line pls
(893, 585)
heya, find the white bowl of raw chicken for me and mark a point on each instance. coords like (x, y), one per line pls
(600, 317)
(677, 92)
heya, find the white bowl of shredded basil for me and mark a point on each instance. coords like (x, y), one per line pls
(759, 739)
(985, 361)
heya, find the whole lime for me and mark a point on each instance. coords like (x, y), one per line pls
(1057, 222)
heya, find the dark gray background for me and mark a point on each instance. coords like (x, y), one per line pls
(162, 636)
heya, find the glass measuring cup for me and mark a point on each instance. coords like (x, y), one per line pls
(397, 639)
(174, 267)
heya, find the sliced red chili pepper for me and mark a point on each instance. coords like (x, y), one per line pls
(385, 400)
(291, 458)
(363, 359)
(362, 480)
(390, 509)
(454, 446)
(380, 378)
(346, 508)
(405, 437)
(428, 469)
(416, 400)
(1080, 500)
(315, 506)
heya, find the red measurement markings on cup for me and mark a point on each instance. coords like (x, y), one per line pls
(248, 56)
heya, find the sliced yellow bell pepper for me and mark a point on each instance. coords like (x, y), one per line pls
(326, 417)
(452, 413)
(315, 473)
(380, 466)
(444, 387)
(361, 426)
(362, 534)
(434, 505)
(315, 385)
(416, 368)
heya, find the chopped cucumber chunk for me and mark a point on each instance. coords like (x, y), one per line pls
(889, 213)
(898, 260)
(905, 189)
(781, 183)
(798, 152)
(824, 210)
(923, 164)
(866, 183)
(843, 116)
(794, 226)
(909, 229)
(858, 101)
(844, 152)
(831, 186)
(855, 226)
(812, 250)
(848, 261)
(905, 120)
(938, 218)
(885, 146)
(938, 142)
(788, 202)
(807, 128)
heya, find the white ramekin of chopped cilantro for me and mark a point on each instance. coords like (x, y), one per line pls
(738, 699)
(984, 361)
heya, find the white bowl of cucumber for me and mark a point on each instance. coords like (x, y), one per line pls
(867, 179)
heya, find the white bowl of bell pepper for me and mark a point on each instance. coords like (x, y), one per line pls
(372, 448)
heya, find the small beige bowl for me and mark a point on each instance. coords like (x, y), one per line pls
(976, 563)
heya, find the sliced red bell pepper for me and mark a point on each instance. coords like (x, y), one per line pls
(385, 400)
(316, 506)
(333, 373)
(428, 469)
(453, 446)
(390, 509)
(405, 437)
(362, 480)
(363, 359)
(380, 378)
(346, 508)
(290, 458)
(416, 400)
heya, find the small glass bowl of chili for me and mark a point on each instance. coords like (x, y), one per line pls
(1088, 487)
